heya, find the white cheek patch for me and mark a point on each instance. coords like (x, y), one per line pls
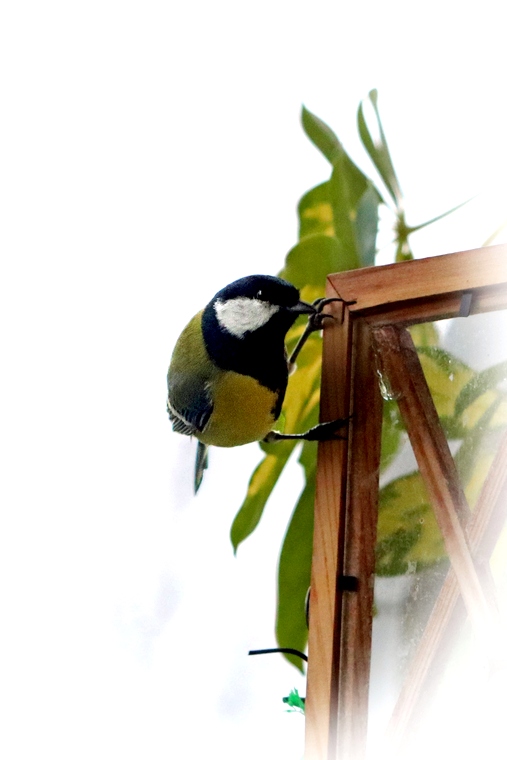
(241, 315)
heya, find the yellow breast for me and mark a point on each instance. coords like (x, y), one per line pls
(242, 411)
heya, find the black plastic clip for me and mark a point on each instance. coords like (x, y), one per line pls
(466, 304)
(348, 583)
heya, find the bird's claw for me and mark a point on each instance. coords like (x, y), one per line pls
(316, 319)
(315, 323)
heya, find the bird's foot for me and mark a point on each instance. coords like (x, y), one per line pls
(325, 431)
(315, 323)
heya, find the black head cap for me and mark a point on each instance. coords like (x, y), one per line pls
(263, 287)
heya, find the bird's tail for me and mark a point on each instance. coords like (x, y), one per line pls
(201, 463)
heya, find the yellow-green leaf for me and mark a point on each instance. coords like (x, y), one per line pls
(315, 212)
(313, 258)
(479, 385)
(378, 149)
(294, 568)
(446, 376)
(408, 537)
(321, 135)
(261, 484)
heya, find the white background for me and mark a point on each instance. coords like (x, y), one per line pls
(151, 152)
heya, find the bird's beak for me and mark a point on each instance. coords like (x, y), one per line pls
(302, 307)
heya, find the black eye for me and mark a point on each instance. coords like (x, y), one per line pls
(260, 295)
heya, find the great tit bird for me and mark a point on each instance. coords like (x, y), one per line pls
(229, 369)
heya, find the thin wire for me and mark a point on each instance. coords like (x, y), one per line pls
(283, 650)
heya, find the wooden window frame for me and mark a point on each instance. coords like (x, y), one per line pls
(368, 337)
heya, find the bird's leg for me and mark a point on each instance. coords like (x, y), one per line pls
(326, 431)
(315, 322)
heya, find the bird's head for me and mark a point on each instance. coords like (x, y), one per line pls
(256, 302)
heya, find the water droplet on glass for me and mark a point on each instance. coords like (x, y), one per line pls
(386, 390)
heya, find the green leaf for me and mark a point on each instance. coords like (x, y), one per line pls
(301, 403)
(320, 134)
(479, 384)
(378, 150)
(424, 334)
(295, 702)
(315, 212)
(313, 258)
(409, 230)
(324, 210)
(392, 432)
(408, 537)
(261, 484)
(474, 457)
(347, 187)
(391, 551)
(366, 226)
(494, 235)
(294, 568)
(446, 376)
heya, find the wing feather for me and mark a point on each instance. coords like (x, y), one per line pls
(189, 380)
(189, 418)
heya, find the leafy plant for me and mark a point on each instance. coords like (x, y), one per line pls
(295, 702)
(338, 224)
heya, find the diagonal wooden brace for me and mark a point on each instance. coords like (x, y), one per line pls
(402, 367)
(486, 524)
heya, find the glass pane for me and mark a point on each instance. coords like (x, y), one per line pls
(455, 694)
